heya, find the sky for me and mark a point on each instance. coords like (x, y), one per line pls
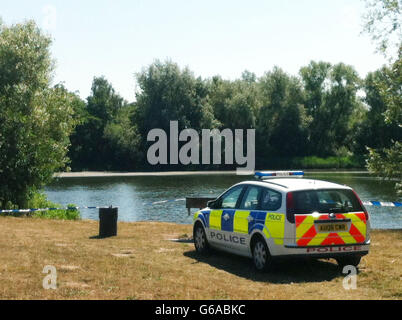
(117, 39)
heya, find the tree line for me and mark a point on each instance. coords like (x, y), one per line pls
(325, 111)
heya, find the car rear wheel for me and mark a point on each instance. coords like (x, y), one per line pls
(261, 256)
(200, 239)
(348, 261)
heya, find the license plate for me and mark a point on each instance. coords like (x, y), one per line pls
(332, 227)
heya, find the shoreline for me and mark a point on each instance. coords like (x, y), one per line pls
(99, 174)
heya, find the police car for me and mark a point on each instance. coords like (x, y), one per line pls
(281, 216)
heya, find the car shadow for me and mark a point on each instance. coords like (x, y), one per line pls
(286, 271)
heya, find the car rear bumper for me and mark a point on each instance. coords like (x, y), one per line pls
(295, 246)
(332, 251)
(322, 255)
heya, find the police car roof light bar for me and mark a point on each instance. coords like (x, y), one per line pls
(278, 174)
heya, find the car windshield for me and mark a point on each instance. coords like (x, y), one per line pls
(325, 201)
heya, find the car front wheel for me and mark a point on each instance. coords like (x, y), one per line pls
(261, 256)
(200, 239)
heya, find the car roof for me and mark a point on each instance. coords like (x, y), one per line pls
(296, 184)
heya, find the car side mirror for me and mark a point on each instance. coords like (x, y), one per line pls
(212, 204)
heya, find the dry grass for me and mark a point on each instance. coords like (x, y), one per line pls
(141, 263)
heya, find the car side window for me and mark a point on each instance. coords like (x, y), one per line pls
(251, 198)
(270, 200)
(229, 199)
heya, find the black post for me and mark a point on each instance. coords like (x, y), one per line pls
(108, 222)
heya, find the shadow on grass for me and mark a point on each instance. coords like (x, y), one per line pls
(101, 237)
(287, 271)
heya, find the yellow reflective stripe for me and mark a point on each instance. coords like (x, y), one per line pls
(196, 215)
(304, 227)
(215, 219)
(315, 241)
(347, 237)
(275, 226)
(240, 223)
(357, 222)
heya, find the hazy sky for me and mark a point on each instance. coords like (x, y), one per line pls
(119, 38)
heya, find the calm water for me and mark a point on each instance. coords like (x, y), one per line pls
(132, 194)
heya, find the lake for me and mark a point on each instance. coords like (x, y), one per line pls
(133, 194)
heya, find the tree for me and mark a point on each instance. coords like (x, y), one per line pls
(169, 93)
(387, 162)
(282, 120)
(373, 131)
(124, 140)
(90, 148)
(35, 119)
(391, 90)
(331, 101)
(234, 103)
(382, 22)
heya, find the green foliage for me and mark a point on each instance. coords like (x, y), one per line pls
(169, 93)
(92, 146)
(39, 200)
(234, 103)
(382, 22)
(104, 103)
(35, 119)
(123, 139)
(391, 91)
(317, 115)
(331, 101)
(282, 119)
(373, 131)
(313, 162)
(387, 163)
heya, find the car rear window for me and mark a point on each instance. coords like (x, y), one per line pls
(325, 201)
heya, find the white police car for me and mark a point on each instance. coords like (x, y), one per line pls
(287, 217)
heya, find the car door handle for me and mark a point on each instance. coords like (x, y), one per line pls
(226, 217)
(250, 218)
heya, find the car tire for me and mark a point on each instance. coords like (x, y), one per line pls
(348, 261)
(200, 239)
(261, 257)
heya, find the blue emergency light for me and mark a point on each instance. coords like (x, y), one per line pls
(278, 174)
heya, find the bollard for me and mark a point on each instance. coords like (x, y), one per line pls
(108, 222)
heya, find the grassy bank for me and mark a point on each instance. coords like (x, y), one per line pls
(40, 201)
(142, 263)
(328, 163)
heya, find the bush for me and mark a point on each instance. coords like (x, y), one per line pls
(39, 201)
(313, 162)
